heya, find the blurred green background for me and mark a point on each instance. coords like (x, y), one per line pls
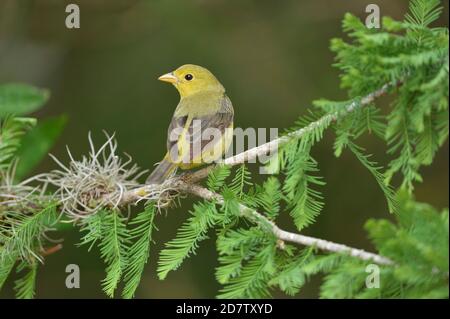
(273, 59)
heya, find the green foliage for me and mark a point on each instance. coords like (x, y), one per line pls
(294, 267)
(125, 252)
(234, 247)
(216, 179)
(11, 131)
(6, 266)
(107, 229)
(251, 265)
(23, 224)
(291, 275)
(304, 202)
(423, 13)
(25, 286)
(418, 244)
(253, 277)
(313, 126)
(343, 282)
(247, 263)
(389, 193)
(113, 250)
(415, 54)
(93, 228)
(302, 198)
(241, 180)
(362, 120)
(37, 142)
(20, 99)
(269, 197)
(190, 234)
(139, 251)
(21, 233)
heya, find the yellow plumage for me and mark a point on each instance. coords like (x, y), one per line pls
(201, 129)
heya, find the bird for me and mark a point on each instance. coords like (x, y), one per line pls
(201, 129)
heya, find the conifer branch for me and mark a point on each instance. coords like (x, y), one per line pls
(283, 235)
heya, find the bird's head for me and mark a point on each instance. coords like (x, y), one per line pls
(190, 79)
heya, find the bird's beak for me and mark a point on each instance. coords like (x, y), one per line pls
(168, 77)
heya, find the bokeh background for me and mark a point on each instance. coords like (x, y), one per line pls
(273, 58)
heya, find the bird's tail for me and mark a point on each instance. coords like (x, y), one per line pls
(164, 169)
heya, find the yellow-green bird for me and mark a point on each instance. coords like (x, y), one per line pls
(201, 129)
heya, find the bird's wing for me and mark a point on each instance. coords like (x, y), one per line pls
(189, 136)
(173, 132)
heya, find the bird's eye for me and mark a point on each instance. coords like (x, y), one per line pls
(188, 77)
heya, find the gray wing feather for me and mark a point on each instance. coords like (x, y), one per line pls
(219, 121)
